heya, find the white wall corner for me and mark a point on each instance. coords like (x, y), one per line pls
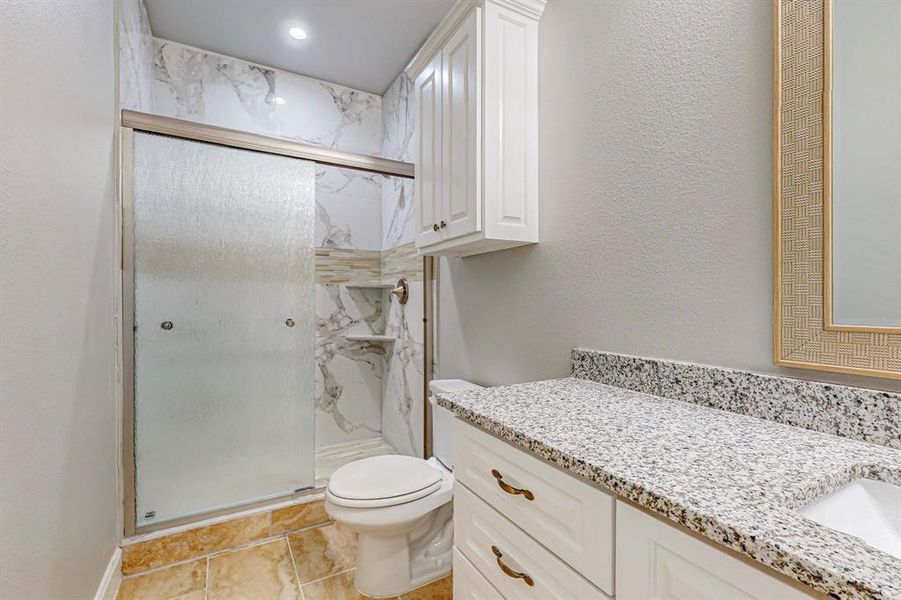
(112, 578)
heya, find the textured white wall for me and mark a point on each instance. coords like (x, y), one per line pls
(655, 200)
(58, 496)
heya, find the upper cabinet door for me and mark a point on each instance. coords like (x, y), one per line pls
(461, 123)
(428, 155)
(477, 130)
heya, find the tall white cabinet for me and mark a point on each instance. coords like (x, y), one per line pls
(476, 94)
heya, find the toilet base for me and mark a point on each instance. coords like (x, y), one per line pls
(392, 565)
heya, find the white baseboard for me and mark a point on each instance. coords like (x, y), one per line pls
(112, 577)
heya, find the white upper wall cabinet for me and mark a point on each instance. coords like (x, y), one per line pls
(477, 129)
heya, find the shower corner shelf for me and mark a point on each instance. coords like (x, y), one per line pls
(387, 339)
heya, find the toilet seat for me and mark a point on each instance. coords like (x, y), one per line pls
(381, 481)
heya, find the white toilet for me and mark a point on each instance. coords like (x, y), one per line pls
(400, 507)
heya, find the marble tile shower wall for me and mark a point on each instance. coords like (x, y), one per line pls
(135, 56)
(399, 122)
(402, 400)
(354, 379)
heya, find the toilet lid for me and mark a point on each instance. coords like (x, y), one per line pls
(384, 478)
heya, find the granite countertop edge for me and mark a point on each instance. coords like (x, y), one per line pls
(827, 581)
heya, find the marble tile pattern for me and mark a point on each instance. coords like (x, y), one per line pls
(734, 479)
(190, 83)
(184, 581)
(273, 568)
(870, 415)
(197, 85)
(135, 56)
(313, 564)
(348, 209)
(403, 401)
(153, 552)
(398, 123)
(349, 374)
(297, 516)
(398, 211)
(158, 552)
(322, 551)
(262, 571)
(341, 587)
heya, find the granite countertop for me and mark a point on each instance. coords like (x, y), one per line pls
(735, 479)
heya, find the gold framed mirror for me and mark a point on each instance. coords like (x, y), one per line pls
(830, 312)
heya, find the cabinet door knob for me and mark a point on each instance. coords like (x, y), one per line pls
(166, 325)
(443, 224)
(435, 227)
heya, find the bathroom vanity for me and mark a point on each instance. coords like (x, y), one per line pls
(563, 545)
(571, 488)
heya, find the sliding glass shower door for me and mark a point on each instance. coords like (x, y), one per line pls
(224, 326)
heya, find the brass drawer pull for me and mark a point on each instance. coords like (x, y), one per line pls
(508, 571)
(528, 495)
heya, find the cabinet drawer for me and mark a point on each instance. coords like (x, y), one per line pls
(657, 560)
(493, 544)
(469, 583)
(573, 519)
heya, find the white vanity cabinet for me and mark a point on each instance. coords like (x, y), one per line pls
(524, 528)
(476, 139)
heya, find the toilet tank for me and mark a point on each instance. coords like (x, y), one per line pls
(443, 419)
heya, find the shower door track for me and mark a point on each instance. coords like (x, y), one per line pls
(132, 121)
(262, 143)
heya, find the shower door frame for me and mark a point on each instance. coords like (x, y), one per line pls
(132, 121)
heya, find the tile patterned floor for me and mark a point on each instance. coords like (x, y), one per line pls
(311, 564)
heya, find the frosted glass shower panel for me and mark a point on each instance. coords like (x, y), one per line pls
(224, 326)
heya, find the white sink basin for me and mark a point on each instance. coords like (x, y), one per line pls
(868, 509)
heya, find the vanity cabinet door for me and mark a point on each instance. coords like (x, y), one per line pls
(469, 583)
(514, 563)
(655, 560)
(460, 129)
(428, 154)
(571, 518)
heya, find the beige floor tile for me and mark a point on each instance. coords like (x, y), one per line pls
(323, 551)
(182, 582)
(443, 589)
(336, 587)
(298, 517)
(261, 572)
(196, 542)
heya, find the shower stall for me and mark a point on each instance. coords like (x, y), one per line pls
(219, 314)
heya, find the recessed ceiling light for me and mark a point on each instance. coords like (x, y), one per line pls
(297, 33)
(279, 100)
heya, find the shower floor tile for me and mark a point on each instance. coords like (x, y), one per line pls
(329, 458)
(313, 564)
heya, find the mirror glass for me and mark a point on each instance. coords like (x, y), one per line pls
(866, 163)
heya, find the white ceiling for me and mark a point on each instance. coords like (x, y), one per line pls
(362, 44)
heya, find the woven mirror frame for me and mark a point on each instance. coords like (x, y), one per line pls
(800, 179)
